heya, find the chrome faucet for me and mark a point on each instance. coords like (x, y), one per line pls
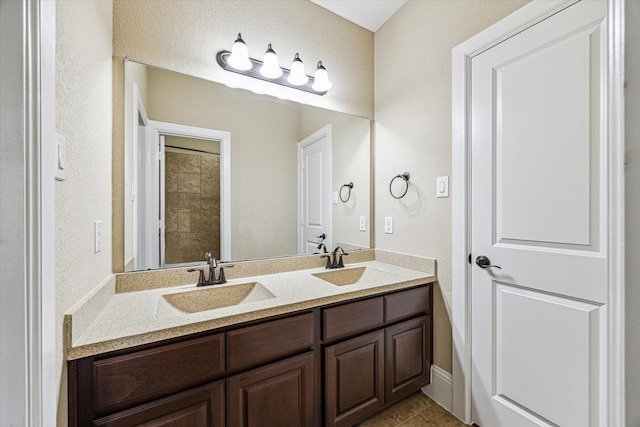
(213, 264)
(338, 252)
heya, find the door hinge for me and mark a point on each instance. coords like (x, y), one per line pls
(469, 258)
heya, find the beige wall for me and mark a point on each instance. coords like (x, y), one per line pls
(413, 131)
(83, 117)
(185, 37)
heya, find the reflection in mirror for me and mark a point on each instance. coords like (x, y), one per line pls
(191, 200)
(276, 192)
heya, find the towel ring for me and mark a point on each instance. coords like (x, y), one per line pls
(404, 176)
(349, 187)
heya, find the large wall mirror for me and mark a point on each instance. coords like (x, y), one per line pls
(209, 168)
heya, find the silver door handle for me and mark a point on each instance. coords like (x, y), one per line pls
(484, 262)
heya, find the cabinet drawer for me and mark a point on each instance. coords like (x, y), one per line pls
(403, 305)
(202, 406)
(268, 341)
(149, 374)
(349, 319)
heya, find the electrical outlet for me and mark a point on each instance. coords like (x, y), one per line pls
(388, 225)
(363, 224)
(97, 232)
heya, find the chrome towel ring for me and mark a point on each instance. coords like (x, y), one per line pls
(405, 176)
(349, 186)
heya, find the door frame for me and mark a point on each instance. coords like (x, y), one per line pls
(323, 132)
(30, 383)
(139, 112)
(157, 128)
(527, 16)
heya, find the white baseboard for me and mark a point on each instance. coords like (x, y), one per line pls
(441, 388)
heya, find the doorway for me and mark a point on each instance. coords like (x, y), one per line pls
(191, 200)
(537, 234)
(183, 196)
(314, 198)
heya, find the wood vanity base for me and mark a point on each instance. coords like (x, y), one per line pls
(334, 365)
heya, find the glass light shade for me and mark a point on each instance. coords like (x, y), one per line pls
(239, 58)
(270, 66)
(321, 81)
(297, 77)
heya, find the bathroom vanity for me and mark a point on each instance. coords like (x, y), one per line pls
(330, 361)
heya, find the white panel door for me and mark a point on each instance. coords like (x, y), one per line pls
(315, 191)
(538, 198)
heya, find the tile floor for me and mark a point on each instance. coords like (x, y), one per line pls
(417, 410)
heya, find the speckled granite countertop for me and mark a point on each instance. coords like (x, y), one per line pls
(133, 317)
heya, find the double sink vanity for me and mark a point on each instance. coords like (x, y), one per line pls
(285, 342)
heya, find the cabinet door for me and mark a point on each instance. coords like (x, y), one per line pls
(200, 407)
(408, 358)
(354, 379)
(280, 394)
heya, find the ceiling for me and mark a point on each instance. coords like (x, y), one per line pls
(370, 14)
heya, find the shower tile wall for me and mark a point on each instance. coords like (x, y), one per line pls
(192, 206)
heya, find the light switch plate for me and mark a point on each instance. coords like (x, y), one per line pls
(61, 157)
(388, 225)
(442, 186)
(335, 197)
(363, 224)
(97, 229)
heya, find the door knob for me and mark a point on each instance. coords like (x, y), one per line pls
(484, 262)
(322, 236)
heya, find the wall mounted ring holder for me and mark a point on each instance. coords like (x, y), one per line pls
(405, 176)
(348, 186)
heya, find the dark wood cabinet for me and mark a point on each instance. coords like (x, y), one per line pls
(354, 379)
(280, 394)
(334, 365)
(141, 376)
(199, 407)
(269, 341)
(407, 358)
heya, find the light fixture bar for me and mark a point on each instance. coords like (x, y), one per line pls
(254, 72)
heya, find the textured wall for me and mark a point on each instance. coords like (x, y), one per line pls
(413, 130)
(83, 117)
(185, 37)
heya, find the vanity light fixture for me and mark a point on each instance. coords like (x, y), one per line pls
(297, 77)
(321, 83)
(238, 61)
(239, 58)
(270, 68)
